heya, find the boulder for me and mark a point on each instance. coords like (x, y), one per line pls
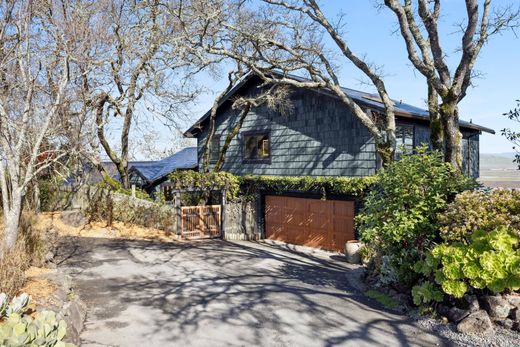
(74, 218)
(442, 310)
(472, 302)
(506, 323)
(514, 314)
(477, 322)
(514, 300)
(496, 306)
(456, 314)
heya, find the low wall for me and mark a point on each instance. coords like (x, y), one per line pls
(241, 221)
(102, 204)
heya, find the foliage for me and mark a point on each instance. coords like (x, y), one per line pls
(187, 179)
(105, 205)
(425, 293)
(19, 330)
(490, 261)
(382, 298)
(353, 186)
(399, 217)
(473, 211)
(12, 268)
(512, 135)
(114, 185)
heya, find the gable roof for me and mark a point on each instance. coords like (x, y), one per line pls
(155, 170)
(369, 100)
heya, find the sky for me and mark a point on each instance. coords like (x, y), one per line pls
(370, 32)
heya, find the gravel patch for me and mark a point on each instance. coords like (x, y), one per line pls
(501, 338)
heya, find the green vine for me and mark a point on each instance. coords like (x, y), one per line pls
(206, 181)
(247, 186)
(354, 186)
(114, 185)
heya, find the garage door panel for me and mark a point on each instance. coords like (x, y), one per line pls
(326, 224)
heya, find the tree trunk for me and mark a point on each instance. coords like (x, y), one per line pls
(12, 220)
(452, 136)
(436, 127)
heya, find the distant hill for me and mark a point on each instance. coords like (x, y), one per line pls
(499, 170)
(497, 161)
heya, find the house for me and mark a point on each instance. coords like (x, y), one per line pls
(320, 137)
(148, 175)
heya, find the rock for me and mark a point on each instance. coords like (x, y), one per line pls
(506, 323)
(496, 306)
(472, 301)
(456, 314)
(442, 310)
(514, 314)
(514, 300)
(74, 218)
(476, 323)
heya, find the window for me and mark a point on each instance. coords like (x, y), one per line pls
(404, 139)
(214, 149)
(256, 146)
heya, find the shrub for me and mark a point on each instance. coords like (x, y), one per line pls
(30, 249)
(12, 269)
(473, 211)
(490, 261)
(18, 330)
(399, 217)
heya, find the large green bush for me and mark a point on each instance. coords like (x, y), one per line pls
(490, 260)
(399, 221)
(474, 211)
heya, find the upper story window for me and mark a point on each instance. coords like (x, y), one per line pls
(404, 135)
(257, 145)
(214, 149)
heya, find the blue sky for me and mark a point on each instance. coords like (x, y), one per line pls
(370, 32)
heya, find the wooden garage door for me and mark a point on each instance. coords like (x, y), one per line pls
(326, 224)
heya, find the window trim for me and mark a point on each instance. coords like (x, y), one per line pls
(215, 138)
(256, 133)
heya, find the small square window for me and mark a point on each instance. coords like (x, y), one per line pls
(257, 146)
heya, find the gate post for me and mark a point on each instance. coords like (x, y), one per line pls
(179, 216)
(222, 212)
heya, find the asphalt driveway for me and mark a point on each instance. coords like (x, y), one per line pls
(218, 293)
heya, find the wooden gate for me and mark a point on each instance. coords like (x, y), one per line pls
(200, 222)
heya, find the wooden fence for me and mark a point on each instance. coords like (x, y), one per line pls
(199, 222)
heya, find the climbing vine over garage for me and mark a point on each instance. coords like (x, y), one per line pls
(247, 186)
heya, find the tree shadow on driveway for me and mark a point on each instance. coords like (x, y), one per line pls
(219, 293)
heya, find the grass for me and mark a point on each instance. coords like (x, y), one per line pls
(382, 298)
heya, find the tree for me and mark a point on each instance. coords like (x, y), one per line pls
(287, 36)
(512, 135)
(37, 48)
(137, 68)
(419, 27)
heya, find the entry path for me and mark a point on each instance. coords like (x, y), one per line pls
(218, 293)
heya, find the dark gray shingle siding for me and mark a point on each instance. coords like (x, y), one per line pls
(320, 137)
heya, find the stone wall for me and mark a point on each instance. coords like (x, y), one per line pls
(102, 204)
(241, 221)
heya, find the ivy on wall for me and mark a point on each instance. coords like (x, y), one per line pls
(353, 186)
(247, 186)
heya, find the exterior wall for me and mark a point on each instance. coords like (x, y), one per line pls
(319, 138)
(470, 145)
